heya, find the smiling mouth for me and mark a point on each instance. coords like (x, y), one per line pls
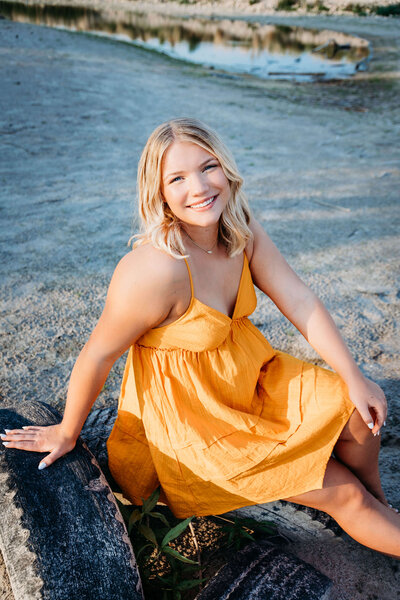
(204, 203)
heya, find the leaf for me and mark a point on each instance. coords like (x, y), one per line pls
(175, 554)
(175, 531)
(190, 583)
(165, 579)
(148, 533)
(188, 568)
(136, 515)
(141, 550)
(267, 527)
(248, 535)
(150, 503)
(160, 516)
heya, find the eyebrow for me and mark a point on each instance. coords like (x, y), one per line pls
(178, 172)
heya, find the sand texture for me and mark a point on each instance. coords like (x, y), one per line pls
(321, 164)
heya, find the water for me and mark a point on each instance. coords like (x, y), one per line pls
(233, 46)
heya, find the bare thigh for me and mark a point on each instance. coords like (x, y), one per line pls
(355, 429)
(340, 485)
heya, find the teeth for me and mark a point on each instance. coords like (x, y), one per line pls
(205, 203)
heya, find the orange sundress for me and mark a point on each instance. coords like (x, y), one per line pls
(209, 410)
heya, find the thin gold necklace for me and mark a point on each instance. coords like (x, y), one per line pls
(196, 244)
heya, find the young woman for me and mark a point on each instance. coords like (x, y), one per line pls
(208, 409)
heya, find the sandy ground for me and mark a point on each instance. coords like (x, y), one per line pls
(321, 163)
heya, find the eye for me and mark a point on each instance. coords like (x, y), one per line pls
(210, 166)
(175, 178)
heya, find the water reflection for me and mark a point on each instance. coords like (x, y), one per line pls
(237, 46)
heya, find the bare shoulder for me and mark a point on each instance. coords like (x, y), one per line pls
(141, 295)
(149, 267)
(145, 283)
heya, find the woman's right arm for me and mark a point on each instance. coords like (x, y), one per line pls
(140, 296)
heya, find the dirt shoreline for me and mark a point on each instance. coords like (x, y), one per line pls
(321, 164)
(235, 8)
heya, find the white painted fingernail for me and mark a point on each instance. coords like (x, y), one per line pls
(371, 425)
(384, 423)
(41, 466)
(7, 430)
(2, 435)
(5, 443)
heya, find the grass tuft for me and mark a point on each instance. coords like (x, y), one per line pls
(175, 556)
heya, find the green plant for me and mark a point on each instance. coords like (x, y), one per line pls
(167, 573)
(151, 533)
(320, 6)
(287, 4)
(244, 529)
(176, 583)
(356, 9)
(386, 11)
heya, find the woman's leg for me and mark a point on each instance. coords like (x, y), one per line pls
(358, 449)
(356, 510)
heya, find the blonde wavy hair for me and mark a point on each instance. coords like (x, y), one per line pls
(159, 225)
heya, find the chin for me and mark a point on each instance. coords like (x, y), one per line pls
(205, 222)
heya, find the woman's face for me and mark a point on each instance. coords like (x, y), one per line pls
(193, 184)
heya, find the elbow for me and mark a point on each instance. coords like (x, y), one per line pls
(305, 306)
(305, 301)
(99, 354)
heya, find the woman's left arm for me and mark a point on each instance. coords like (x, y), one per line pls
(273, 276)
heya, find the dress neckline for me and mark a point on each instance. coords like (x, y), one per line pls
(195, 299)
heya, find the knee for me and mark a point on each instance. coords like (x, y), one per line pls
(353, 497)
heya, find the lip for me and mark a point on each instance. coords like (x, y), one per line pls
(215, 196)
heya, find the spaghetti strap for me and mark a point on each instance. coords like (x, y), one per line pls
(191, 280)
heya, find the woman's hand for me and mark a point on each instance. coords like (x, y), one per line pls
(51, 438)
(370, 401)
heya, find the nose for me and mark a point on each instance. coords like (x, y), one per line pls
(198, 184)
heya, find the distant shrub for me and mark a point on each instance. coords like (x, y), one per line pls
(287, 4)
(387, 11)
(356, 9)
(320, 6)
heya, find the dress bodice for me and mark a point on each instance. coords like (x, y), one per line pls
(202, 327)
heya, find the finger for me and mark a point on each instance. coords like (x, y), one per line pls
(12, 430)
(35, 427)
(19, 436)
(22, 445)
(21, 430)
(17, 432)
(26, 429)
(384, 407)
(380, 418)
(50, 458)
(367, 418)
